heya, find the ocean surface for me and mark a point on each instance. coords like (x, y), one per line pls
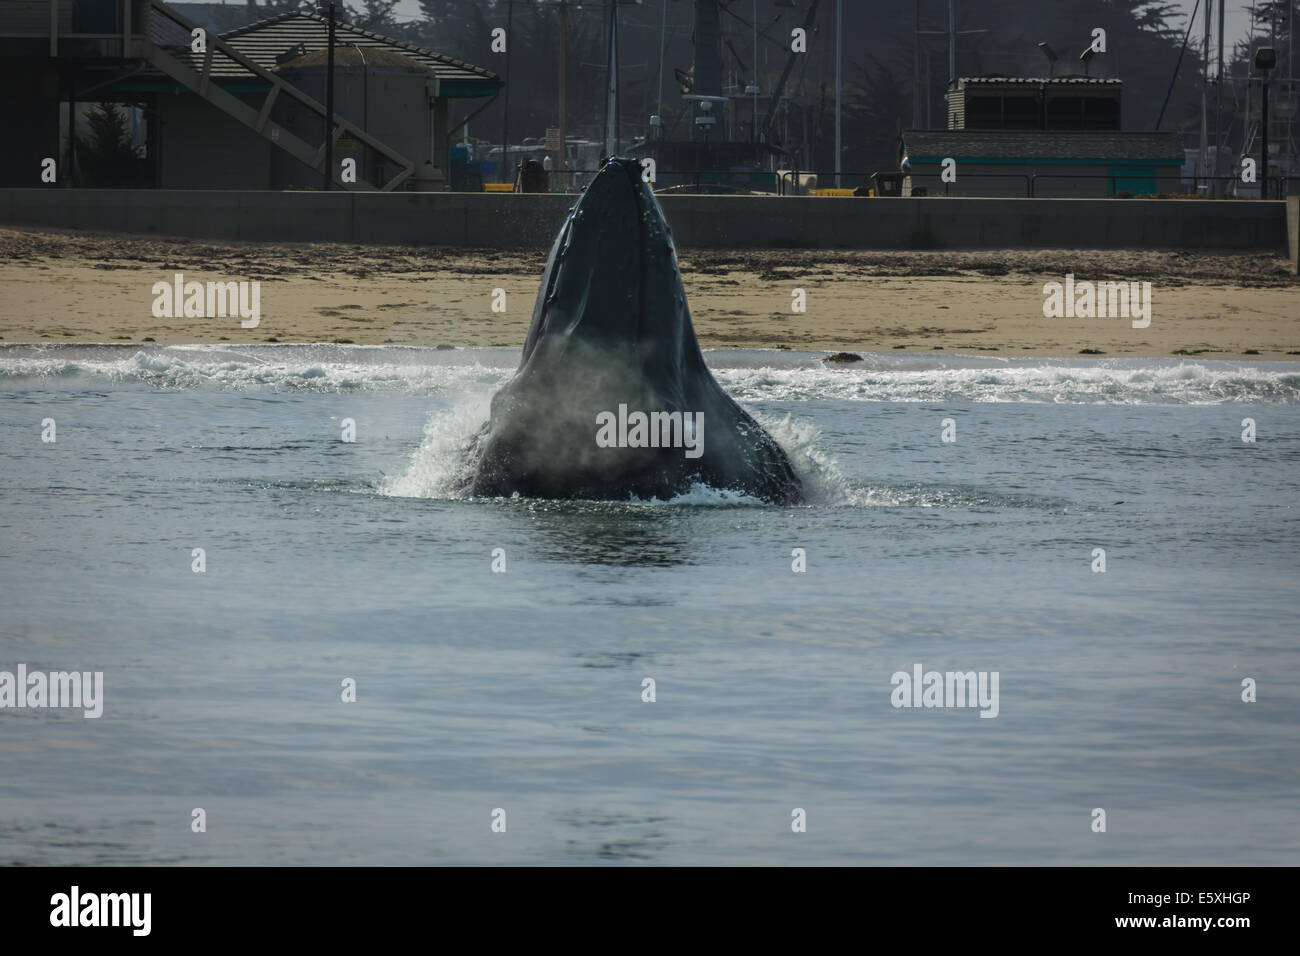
(479, 691)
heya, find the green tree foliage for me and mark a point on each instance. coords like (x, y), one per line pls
(374, 15)
(104, 152)
(878, 107)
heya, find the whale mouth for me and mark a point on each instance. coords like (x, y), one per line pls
(612, 398)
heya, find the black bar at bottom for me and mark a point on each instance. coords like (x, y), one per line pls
(335, 906)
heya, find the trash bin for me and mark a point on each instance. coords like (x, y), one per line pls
(533, 177)
(888, 184)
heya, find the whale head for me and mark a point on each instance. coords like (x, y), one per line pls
(611, 337)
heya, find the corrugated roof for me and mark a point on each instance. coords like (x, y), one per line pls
(1041, 144)
(994, 80)
(267, 39)
(356, 56)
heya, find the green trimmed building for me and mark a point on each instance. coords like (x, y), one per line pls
(1056, 137)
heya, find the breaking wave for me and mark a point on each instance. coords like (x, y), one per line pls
(283, 368)
(1131, 383)
(749, 376)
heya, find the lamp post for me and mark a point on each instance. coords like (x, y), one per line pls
(1265, 60)
(1051, 57)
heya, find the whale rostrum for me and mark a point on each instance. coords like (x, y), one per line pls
(613, 399)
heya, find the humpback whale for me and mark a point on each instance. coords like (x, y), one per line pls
(612, 398)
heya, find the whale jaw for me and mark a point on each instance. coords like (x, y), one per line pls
(611, 339)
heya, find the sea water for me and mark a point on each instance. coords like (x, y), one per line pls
(520, 695)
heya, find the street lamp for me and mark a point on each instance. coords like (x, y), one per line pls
(1265, 60)
(1051, 57)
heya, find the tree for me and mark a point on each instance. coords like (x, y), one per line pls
(373, 15)
(877, 108)
(460, 28)
(105, 154)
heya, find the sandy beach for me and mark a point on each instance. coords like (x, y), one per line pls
(61, 286)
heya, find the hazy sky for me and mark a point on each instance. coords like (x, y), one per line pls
(1237, 22)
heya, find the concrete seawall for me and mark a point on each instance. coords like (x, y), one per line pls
(509, 220)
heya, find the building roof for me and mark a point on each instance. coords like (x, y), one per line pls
(368, 56)
(1073, 80)
(266, 40)
(931, 145)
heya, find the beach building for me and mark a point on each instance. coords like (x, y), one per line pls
(242, 109)
(1047, 137)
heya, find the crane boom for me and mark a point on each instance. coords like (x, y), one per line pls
(785, 75)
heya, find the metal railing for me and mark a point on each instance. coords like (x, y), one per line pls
(573, 179)
(1121, 182)
(164, 55)
(786, 180)
(1276, 186)
(706, 181)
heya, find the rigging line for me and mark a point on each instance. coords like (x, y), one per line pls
(1191, 21)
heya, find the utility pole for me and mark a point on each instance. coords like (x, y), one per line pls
(1203, 157)
(1263, 125)
(839, 86)
(754, 120)
(505, 107)
(564, 71)
(663, 34)
(952, 42)
(916, 64)
(329, 104)
(618, 96)
(611, 82)
(952, 33)
(1218, 103)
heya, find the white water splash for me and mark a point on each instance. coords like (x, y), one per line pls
(441, 464)
(748, 375)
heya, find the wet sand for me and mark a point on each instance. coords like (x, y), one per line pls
(66, 286)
